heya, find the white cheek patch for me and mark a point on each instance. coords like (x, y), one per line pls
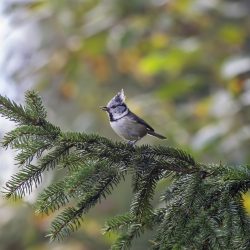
(119, 115)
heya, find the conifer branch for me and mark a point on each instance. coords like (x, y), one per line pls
(118, 222)
(140, 205)
(22, 182)
(166, 158)
(125, 239)
(92, 192)
(14, 112)
(65, 223)
(52, 198)
(201, 209)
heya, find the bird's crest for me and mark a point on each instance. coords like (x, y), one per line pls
(119, 98)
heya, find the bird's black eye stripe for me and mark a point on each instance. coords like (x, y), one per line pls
(119, 105)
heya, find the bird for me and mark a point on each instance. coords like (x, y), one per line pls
(125, 123)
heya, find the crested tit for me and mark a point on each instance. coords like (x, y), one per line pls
(125, 123)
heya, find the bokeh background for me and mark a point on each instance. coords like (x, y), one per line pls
(184, 66)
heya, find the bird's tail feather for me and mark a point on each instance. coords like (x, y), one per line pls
(156, 135)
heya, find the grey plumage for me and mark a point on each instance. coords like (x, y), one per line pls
(125, 123)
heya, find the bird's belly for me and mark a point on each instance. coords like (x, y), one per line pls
(128, 129)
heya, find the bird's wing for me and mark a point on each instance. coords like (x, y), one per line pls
(141, 121)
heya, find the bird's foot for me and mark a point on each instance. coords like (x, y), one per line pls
(132, 143)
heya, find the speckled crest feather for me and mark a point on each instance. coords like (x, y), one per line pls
(119, 98)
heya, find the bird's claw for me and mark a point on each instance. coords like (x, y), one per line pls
(132, 143)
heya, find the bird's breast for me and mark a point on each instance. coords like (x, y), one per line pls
(128, 128)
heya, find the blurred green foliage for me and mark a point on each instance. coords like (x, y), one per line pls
(184, 66)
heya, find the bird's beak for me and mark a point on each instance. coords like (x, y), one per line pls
(104, 108)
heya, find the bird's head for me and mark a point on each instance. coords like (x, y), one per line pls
(116, 107)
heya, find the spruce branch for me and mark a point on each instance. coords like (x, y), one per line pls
(202, 208)
(92, 192)
(13, 111)
(164, 158)
(29, 149)
(24, 134)
(140, 205)
(65, 223)
(118, 222)
(34, 106)
(22, 182)
(20, 114)
(125, 240)
(52, 198)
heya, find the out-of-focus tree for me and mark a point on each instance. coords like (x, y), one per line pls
(183, 64)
